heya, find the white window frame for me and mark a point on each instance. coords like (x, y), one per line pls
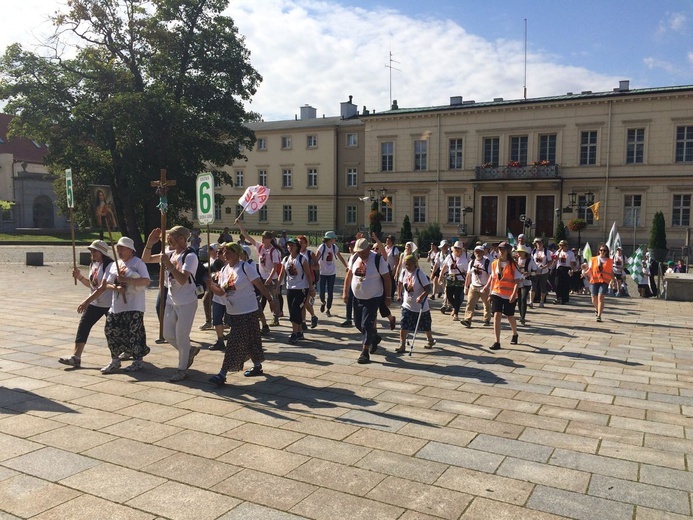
(589, 149)
(261, 144)
(287, 178)
(421, 155)
(389, 154)
(312, 177)
(684, 144)
(419, 209)
(262, 214)
(262, 177)
(312, 214)
(351, 215)
(312, 141)
(352, 140)
(352, 179)
(239, 178)
(286, 142)
(456, 153)
(287, 213)
(454, 209)
(635, 146)
(632, 209)
(681, 210)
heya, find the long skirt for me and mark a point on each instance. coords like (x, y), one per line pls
(244, 342)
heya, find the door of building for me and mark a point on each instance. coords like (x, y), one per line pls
(489, 216)
(517, 205)
(544, 216)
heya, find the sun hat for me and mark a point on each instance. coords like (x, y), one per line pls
(563, 243)
(458, 245)
(413, 246)
(523, 249)
(267, 234)
(331, 235)
(233, 246)
(179, 230)
(100, 246)
(126, 242)
(291, 240)
(443, 243)
(361, 245)
(479, 248)
(537, 240)
(521, 235)
(246, 250)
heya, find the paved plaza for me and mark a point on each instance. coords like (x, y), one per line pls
(581, 420)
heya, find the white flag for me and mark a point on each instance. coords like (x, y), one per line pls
(612, 237)
(617, 243)
(254, 198)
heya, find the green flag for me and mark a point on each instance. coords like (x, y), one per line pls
(587, 253)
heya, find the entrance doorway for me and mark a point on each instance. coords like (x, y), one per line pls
(545, 215)
(517, 205)
(489, 216)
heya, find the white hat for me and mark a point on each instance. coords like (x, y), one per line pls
(100, 246)
(413, 246)
(458, 245)
(479, 248)
(521, 235)
(361, 245)
(443, 243)
(247, 251)
(523, 249)
(126, 242)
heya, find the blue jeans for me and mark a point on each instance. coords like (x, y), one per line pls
(365, 312)
(327, 282)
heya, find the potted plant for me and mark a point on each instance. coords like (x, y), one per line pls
(657, 246)
(375, 218)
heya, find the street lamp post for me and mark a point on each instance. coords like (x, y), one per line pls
(462, 228)
(581, 203)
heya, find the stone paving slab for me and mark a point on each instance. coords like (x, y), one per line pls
(580, 420)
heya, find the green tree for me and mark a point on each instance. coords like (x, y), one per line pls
(405, 233)
(559, 233)
(429, 234)
(156, 84)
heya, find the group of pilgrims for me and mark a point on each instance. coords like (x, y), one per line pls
(500, 280)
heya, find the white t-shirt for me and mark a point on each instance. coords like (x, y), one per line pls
(182, 294)
(542, 257)
(366, 282)
(267, 258)
(240, 291)
(457, 266)
(96, 274)
(412, 288)
(441, 256)
(527, 267)
(326, 259)
(296, 276)
(134, 268)
(618, 264)
(479, 271)
(564, 258)
(392, 257)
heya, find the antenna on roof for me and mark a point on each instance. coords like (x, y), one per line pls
(389, 66)
(525, 85)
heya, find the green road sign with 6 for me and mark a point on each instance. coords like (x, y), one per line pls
(68, 186)
(205, 198)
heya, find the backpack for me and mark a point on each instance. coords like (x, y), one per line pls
(257, 269)
(378, 258)
(300, 258)
(200, 274)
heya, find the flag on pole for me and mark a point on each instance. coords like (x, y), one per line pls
(617, 243)
(595, 209)
(511, 239)
(634, 265)
(254, 198)
(587, 252)
(387, 202)
(612, 237)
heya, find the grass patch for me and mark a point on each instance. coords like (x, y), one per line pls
(58, 239)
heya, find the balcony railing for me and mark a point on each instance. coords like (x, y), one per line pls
(516, 172)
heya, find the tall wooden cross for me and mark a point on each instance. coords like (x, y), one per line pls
(162, 186)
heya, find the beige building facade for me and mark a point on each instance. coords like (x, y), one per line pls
(485, 168)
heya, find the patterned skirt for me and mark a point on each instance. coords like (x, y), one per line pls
(244, 342)
(125, 333)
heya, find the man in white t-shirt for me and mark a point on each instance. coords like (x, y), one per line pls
(181, 301)
(369, 279)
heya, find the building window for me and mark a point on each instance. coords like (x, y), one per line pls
(217, 182)
(588, 148)
(312, 177)
(7, 214)
(635, 148)
(286, 178)
(286, 142)
(632, 204)
(262, 177)
(239, 178)
(491, 150)
(286, 213)
(351, 215)
(387, 156)
(262, 214)
(239, 212)
(386, 209)
(420, 154)
(455, 154)
(352, 177)
(518, 149)
(419, 209)
(352, 140)
(681, 211)
(312, 141)
(547, 148)
(312, 214)
(454, 210)
(261, 143)
(684, 144)
(585, 213)
(217, 211)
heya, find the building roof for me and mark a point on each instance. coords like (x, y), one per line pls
(296, 124)
(21, 148)
(500, 103)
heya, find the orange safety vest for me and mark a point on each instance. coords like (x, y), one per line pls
(506, 285)
(603, 276)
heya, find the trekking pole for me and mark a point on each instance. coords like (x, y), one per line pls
(416, 329)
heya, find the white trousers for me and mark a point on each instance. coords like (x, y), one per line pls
(178, 321)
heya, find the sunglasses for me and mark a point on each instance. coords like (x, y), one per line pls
(603, 250)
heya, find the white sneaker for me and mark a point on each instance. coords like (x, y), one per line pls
(430, 344)
(135, 366)
(111, 367)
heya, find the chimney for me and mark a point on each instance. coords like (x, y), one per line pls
(624, 85)
(308, 112)
(394, 105)
(348, 109)
(455, 100)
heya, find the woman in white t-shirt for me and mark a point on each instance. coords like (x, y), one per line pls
(455, 267)
(296, 271)
(414, 287)
(327, 254)
(237, 283)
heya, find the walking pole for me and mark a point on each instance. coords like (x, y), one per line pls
(74, 250)
(416, 329)
(115, 254)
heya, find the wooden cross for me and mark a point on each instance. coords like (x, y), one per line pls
(162, 186)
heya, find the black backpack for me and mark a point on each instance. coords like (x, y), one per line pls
(200, 274)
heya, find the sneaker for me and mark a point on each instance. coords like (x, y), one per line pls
(179, 375)
(376, 342)
(322, 307)
(364, 358)
(218, 380)
(135, 366)
(347, 323)
(487, 323)
(255, 371)
(328, 314)
(466, 323)
(71, 361)
(430, 344)
(599, 318)
(313, 321)
(293, 338)
(401, 349)
(206, 325)
(541, 305)
(265, 330)
(219, 345)
(111, 367)
(495, 346)
(275, 322)
(304, 326)
(194, 351)
(392, 321)
(513, 340)
(124, 356)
